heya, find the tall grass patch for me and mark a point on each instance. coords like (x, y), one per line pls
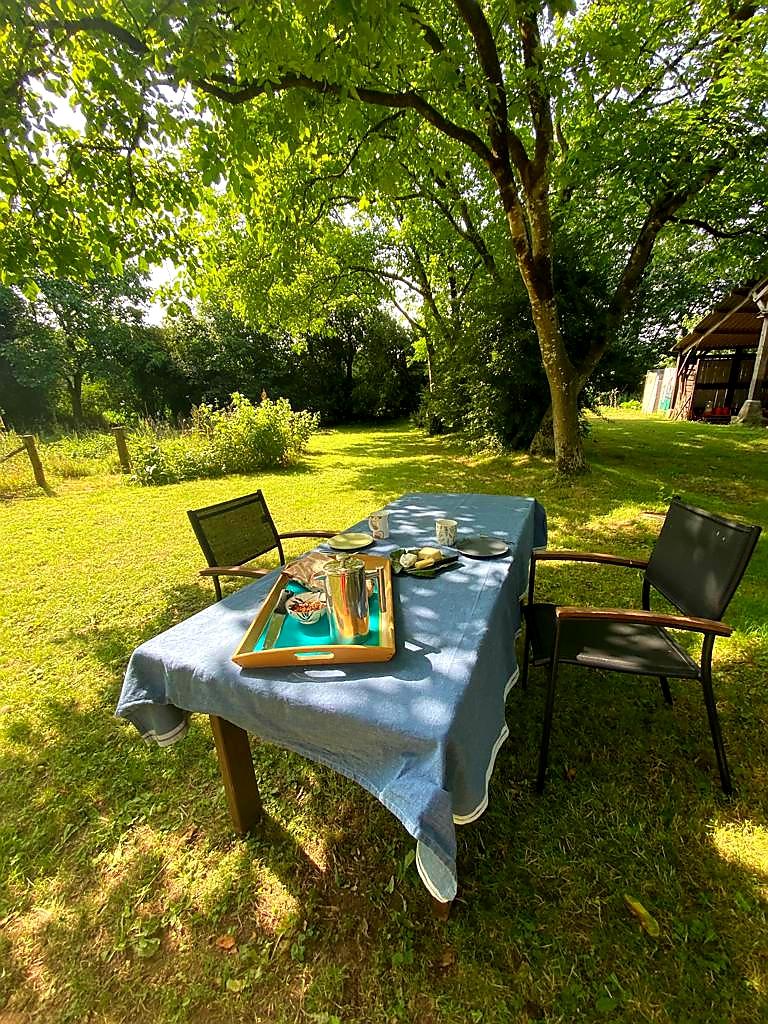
(16, 478)
(78, 455)
(67, 457)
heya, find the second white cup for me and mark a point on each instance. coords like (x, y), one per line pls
(445, 532)
(378, 524)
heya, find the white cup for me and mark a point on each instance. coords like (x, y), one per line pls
(445, 532)
(378, 524)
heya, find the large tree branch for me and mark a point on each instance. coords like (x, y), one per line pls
(660, 213)
(374, 129)
(102, 26)
(411, 320)
(467, 284)
(229, 91)
(422, 290)
(433, 39)
(715, 231)
(467, 231)
(388, 275)
(473, 236)
(538, 99)
(425, 289)
(409, 100)
(502, 139)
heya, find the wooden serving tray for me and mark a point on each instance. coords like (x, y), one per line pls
(321, 653)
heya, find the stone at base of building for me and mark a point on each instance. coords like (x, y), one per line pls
(750, 415)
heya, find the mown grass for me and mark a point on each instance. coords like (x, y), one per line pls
(118, 870)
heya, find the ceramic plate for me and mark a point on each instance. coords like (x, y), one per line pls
(483, 547)
(350, 541)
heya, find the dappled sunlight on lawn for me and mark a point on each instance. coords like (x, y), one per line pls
(744, 843)
(118, 868)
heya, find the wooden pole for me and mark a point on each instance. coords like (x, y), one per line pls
(760, 370)
(34, 458)
(122, 449)
(751, 412)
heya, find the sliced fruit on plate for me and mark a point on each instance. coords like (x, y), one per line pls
(416, 561)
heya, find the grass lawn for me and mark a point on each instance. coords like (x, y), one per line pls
(125, 897)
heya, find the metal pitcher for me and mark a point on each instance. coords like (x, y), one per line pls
(344, 579)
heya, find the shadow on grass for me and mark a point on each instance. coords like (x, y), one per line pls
(121, 871)
(143, 875)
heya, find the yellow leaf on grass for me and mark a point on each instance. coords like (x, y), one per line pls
(648, 922)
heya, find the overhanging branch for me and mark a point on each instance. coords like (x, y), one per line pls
(233, 93)
(716, 232)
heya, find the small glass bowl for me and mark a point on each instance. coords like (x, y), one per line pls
(306, 608)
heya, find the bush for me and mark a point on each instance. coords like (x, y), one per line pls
(240, 438)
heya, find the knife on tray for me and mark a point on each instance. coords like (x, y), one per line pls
(276, 620)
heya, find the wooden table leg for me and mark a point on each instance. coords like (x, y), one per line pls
(441, 910)
(236, 767)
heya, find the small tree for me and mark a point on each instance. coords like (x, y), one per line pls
(87, 320)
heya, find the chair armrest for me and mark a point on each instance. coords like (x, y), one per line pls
(234, 570)
(645, 618)
(311, 533)
(589, 556)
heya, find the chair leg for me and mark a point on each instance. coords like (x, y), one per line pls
(526, 659)
(714, 727)
(665, 689)
(547, 729)
(217, 587)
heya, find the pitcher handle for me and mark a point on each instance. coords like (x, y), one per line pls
(378, 575)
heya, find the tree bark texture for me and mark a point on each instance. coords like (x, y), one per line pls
(75, 388)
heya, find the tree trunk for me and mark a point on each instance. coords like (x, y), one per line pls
(564, 382)
(534, 245)
(569, 449)
(75, 388)
(543, 442)
(430, 348)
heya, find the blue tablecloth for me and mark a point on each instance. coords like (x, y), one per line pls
(422, 731)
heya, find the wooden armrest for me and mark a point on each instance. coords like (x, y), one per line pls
(234, 570)
(589, 556)
(311, 533)
(646, 618)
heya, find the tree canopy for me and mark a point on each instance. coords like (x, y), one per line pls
(591, 130)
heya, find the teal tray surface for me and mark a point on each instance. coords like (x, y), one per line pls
(295, 634)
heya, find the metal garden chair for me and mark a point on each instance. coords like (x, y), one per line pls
(696, 564)
(233, 533)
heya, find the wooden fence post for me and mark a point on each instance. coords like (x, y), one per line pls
(34, 458)
(122, 449)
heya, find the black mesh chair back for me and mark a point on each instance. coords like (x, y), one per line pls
(699, 559)
(235, 531)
